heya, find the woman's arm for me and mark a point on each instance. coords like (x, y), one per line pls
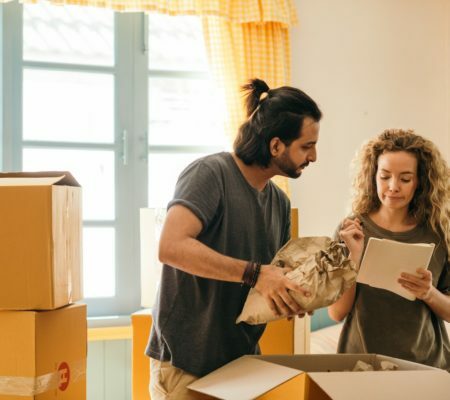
(439, 303)
(339, 310)
(353, 237)
(421, 286)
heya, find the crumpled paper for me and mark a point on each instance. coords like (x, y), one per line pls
(319, 265)
(384, 366)
(363, 366)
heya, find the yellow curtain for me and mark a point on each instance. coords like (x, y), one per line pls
(240, 11)
(241, 51)
(245, 39)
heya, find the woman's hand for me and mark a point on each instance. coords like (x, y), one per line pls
(352, 235)
(420, 286)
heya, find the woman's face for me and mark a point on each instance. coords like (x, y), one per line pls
(396, 179)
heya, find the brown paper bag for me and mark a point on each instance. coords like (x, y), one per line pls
(319, 265)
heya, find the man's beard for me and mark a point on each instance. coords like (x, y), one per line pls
(285, 165)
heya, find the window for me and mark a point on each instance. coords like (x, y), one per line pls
(124, 102)
(185, 118)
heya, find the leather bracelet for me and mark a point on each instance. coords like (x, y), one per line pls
(247, 276)
(251, 274)
(256, 272)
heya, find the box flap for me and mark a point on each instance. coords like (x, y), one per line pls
(41, 178)
(244, 378)
(375, 385)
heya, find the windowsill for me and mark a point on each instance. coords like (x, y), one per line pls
(116, 327)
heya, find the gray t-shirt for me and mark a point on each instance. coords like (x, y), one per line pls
(194, 318)
(383, 322)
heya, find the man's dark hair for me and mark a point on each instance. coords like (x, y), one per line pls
(271, 113)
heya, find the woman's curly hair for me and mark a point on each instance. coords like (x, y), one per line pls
(431, 201)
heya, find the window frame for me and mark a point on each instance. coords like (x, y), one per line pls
(130, 136)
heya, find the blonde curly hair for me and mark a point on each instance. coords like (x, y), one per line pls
(431, 201)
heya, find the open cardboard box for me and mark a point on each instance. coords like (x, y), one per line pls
(320, 377)
(40, 240)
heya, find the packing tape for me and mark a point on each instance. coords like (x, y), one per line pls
(67, 247)
(65, 375)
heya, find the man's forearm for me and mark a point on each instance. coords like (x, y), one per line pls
(192, 256)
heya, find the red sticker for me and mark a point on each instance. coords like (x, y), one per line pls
(64, 376)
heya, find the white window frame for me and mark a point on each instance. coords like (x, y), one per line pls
(131, 139)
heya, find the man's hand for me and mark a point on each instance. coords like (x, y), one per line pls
(273, 286)
(420, 286)
(352, 235)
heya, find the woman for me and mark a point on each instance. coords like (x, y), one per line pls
(402, 193)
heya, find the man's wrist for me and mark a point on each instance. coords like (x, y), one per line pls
(251, 274)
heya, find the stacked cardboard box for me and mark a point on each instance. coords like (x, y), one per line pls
(43, 334)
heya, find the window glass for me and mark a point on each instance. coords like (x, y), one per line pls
(68, 34)
(163, 172)
(98, 262)
(184, 112)
(93, 169)
(68, 106)
(176, 42)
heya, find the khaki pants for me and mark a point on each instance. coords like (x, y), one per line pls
(169, 383)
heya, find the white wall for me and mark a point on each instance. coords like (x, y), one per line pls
(371, 65)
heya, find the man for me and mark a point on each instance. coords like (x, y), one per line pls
(223, 227)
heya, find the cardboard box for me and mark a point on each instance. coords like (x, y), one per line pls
(320, 377)
(141, 323)
(278, 338)
(43, 354)
(40, 240)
